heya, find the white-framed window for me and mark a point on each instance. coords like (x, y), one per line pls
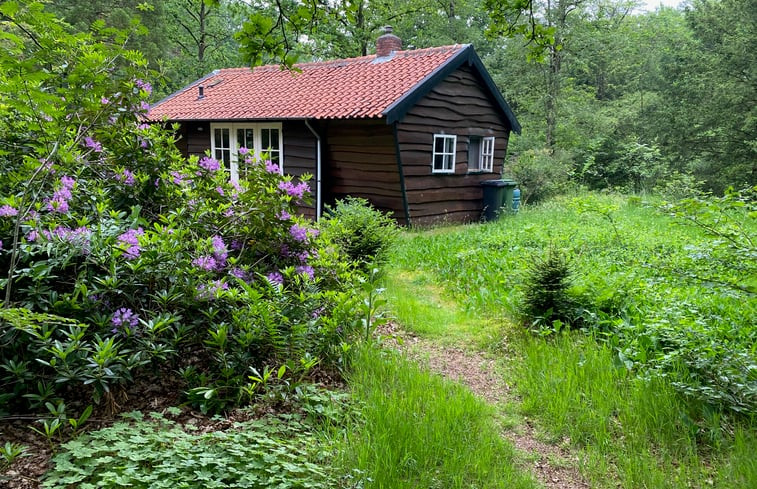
(443, 159)
(480, 154)
(262, 139)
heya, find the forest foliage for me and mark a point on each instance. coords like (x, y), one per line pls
(617, 97)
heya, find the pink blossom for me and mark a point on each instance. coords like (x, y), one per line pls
(8, 211)
(205, 262)
(91, 143)
(306, 270)
(272, 167)
(275, 278)
(143, 85)
(293, 190)
(210, 164)
(127, 177)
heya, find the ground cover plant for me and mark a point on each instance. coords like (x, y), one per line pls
(652, 308)
(153, 453)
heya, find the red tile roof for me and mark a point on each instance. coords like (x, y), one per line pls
(362, 87)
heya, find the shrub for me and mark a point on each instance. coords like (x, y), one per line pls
(546, 302)
(540, 173)
(125, 259)
(364, 233)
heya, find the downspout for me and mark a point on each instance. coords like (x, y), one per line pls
(402, 175)
(318, 200)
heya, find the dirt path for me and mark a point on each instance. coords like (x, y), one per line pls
(555, 467)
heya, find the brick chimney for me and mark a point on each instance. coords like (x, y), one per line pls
(388, 43)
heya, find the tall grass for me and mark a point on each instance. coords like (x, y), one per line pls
(417, 430)
(640, 429)
(658, 394)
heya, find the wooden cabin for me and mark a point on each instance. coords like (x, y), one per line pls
(414, 132)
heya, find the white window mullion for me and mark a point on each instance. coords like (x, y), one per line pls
(444, 152)
(227, 138)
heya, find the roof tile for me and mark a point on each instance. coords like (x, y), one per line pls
(346, 88)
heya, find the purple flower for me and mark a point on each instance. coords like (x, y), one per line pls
(32, 236)
(144, 106)
(58, 204)
(220, 251)
(211, 290)
(209, 164)
(306, 270)
(127, 177)
(143, 127)
(236, 244)
(284, 215)
(219, 189)
(293, 190)
(91, 143)
(1, 245)
(272, 167)
(124, 318)
(104, 100)
(228, 212)
(8, 211)
(143, 85)
(275, 278)
(205, 262)
(67, 182)
(243, 150)
(238, 273)
(299, 233)
(129, 241)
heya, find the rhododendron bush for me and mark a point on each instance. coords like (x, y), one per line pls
(122, 259)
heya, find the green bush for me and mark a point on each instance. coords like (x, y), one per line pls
(546, 301)
(364, 233)
(541, 173)
(123, 258)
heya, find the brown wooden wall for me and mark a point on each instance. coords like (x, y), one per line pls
(300, 155)
(360, 160)
(458, 105)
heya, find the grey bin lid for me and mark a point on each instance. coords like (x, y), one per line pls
(499, 183)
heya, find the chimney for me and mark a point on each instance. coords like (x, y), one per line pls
(388, 43)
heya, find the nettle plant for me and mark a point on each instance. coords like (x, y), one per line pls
(123, 257)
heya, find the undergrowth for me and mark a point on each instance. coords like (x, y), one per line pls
(280, 452)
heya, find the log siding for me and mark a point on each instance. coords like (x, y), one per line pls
(459, 105)
(360, 161)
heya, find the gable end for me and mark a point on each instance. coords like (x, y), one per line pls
(396, 111)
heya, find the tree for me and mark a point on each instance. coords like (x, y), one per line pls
(201, 33)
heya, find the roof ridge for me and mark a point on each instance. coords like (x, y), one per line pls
(369, 57)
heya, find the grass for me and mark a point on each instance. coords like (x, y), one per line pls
(654, 396)
(417, 430)
(424, 308)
